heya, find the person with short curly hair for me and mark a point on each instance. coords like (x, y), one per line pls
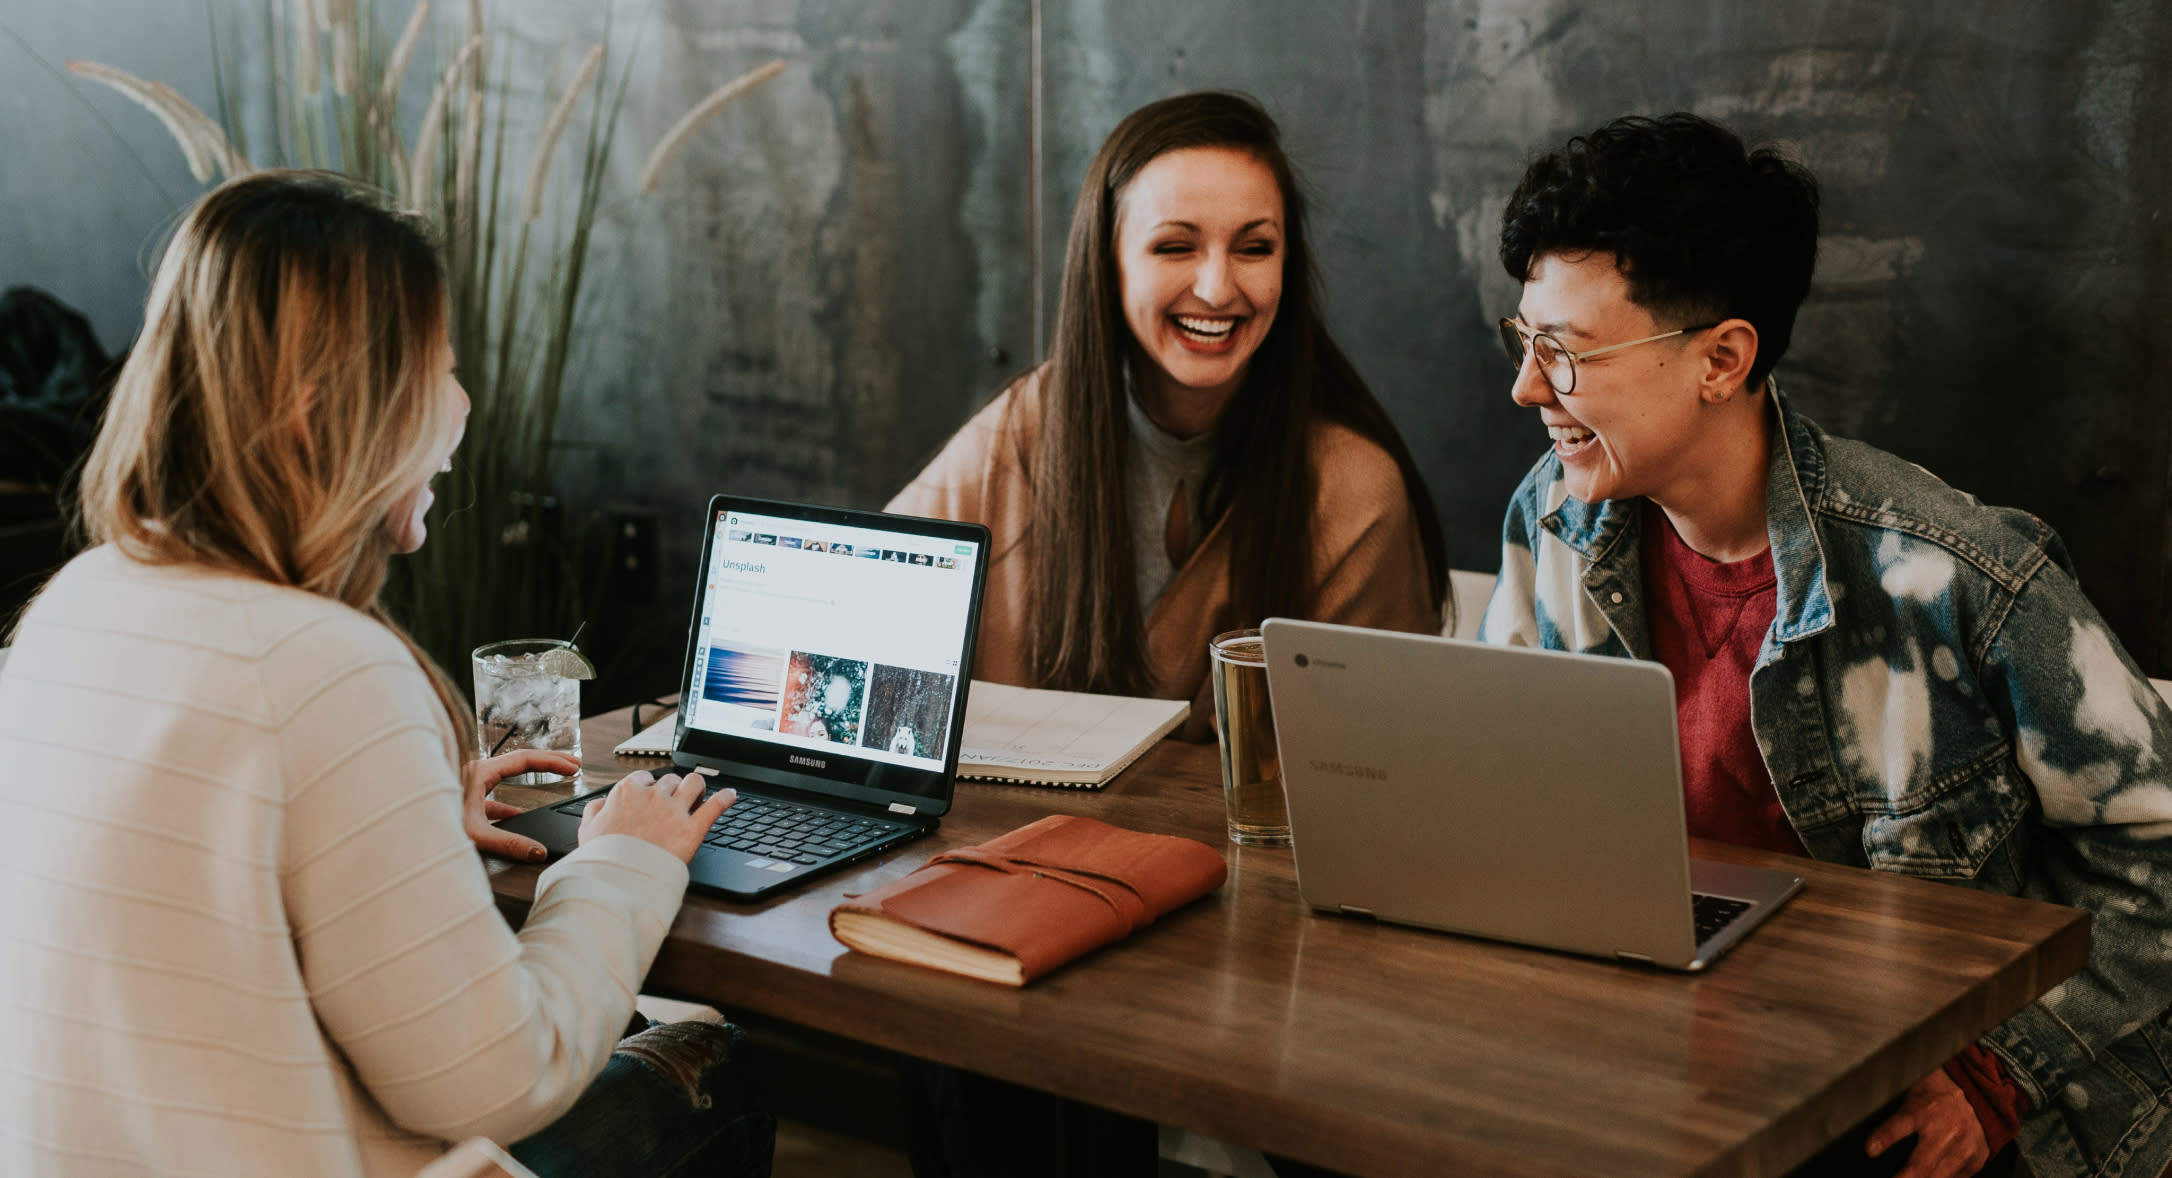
(1870, 667)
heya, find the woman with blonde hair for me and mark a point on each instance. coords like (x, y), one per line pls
(248, 933)
(1197, 453)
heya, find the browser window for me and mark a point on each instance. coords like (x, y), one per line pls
(831, 638)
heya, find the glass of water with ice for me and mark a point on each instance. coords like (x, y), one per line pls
(526, 699)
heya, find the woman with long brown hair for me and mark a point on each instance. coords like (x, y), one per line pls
(248, 932)
(1196, 454)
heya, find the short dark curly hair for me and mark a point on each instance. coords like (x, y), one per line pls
(1702, 227)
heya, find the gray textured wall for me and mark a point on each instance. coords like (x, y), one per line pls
(841, 269)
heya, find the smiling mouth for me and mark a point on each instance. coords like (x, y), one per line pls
(1202, 329)
(1569, 439)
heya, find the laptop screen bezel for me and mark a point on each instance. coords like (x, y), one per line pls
(847, 776)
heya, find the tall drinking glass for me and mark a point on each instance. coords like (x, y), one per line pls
(520, 705)
(1251, 769)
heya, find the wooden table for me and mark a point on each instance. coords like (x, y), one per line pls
(1386, 1051)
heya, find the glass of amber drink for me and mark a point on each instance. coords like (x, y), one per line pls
(1251, 769)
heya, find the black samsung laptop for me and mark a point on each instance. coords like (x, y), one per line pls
(825, 678)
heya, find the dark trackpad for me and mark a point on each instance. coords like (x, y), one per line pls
(554, 828)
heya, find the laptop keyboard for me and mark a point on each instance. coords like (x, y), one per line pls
(795, 833)
(1713, 913)
(788, 832)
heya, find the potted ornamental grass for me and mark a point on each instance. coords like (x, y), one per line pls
(516, 243)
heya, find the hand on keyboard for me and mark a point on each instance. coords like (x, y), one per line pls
(667, 811)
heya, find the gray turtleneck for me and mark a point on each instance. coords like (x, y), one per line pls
(1158, 466)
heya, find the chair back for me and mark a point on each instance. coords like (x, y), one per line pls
(1472, 591)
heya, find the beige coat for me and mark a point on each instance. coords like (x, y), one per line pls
(246, 934)
(1368, 561)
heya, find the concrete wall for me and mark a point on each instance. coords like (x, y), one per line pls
(841, 267)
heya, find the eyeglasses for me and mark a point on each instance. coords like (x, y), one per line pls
(1558, 363)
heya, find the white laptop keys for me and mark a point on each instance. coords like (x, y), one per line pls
(1522, 795)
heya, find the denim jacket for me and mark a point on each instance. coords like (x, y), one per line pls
(1935, 697)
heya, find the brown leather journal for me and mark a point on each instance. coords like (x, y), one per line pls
(1018, 906)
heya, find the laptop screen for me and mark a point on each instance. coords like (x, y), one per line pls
(830, 643)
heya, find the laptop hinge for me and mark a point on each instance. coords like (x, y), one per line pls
(1354, 910)
(902, 808)
(1626, 955)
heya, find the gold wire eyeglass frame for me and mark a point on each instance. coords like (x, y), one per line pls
(1514, 335)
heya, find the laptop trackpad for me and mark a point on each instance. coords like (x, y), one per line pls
(549, 825)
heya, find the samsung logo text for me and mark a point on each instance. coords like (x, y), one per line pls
(810, 762)
(1345, 769)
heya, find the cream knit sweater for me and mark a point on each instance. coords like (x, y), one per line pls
(242, 930)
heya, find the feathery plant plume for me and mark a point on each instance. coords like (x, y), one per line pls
(496, 563)
(421, 164)
(339, 14)
(161, 101)
(475, 30)
(384, 114)
(202, 143)
(403, 51)
(674, 140)
(213, 136)
(465, 180)
(308, 73)
(554, 128)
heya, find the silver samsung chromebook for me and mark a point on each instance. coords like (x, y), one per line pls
(1523, 795)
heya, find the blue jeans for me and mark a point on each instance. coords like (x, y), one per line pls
(669, 1104)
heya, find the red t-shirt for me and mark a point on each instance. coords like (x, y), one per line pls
(1707, 622)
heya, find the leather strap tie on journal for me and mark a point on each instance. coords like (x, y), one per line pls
(1118, 895)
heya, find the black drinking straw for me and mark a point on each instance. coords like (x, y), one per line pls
(509, 728)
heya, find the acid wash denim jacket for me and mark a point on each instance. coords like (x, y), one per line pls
(1935, 698)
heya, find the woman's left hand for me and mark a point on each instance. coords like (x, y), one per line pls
(479, 811)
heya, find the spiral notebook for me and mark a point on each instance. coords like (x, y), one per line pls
(1026, 735)
(1034, 736)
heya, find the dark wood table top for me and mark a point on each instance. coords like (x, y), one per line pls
(1381, 1050)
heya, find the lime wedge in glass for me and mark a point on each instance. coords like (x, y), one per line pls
(566, 663)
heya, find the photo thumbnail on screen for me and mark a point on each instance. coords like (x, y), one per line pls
(908, 712)
(741, 689)
(823, 697)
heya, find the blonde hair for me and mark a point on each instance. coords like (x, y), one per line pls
(281, 399)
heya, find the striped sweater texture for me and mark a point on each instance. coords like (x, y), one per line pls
(243, 930)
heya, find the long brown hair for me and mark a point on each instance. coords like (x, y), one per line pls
(1086, 631)
(280, 400)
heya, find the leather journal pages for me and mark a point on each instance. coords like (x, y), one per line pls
(1018, 906)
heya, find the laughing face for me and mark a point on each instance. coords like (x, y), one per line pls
(1199, 250)
(406, 523)
(1634, 424)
